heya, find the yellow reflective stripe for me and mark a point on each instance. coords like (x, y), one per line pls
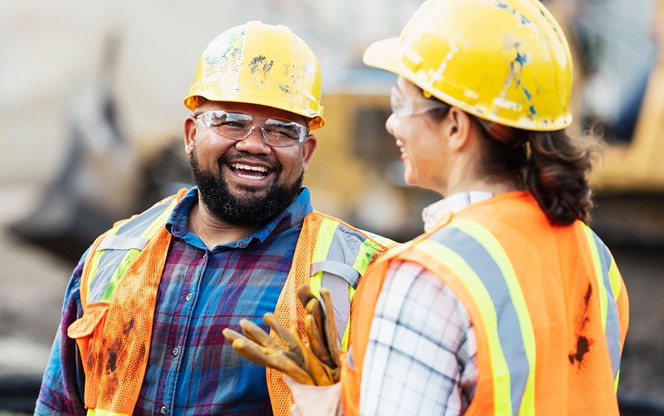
(119, 273)
(614, 277)
(385, 242)
(502, 396)
(599, 274)
(101, 412)
(616, 286)
(488, 240)
(322, 247)
(131, 255)
(344, 339)
(367, 250)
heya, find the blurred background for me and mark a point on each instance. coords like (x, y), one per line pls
(91, 121)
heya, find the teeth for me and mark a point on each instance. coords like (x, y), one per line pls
(247, 167)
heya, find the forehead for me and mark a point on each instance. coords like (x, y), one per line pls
(253, 109)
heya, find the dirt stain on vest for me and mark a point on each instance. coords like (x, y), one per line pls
(583, 343)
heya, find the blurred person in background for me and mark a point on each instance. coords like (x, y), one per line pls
(141, 329)
(508, 303)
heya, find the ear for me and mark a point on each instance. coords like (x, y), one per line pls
(458, 127)
(190, 130)
(308, 149)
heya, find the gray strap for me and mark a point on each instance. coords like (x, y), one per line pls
(350, 275)
(122, 242)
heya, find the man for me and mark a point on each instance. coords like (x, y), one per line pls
(141, 330)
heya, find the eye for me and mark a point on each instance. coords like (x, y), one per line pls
(229, 120)
(284, 130)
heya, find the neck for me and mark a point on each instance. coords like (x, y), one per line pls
(464, 179)
(214, 231)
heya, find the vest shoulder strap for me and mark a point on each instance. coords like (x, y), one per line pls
(114, 251)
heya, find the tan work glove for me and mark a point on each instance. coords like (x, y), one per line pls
(316, 363)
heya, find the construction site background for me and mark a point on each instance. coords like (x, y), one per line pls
(91, 125)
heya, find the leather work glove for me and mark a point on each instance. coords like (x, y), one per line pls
(316, 363)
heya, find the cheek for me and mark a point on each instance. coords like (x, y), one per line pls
(291, 162)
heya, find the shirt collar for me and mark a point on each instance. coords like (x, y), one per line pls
(292, 216)
(451, 205)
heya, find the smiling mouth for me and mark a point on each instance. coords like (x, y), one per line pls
(248, 171)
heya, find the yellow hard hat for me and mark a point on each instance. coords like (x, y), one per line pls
(506, 61)
(260, 64)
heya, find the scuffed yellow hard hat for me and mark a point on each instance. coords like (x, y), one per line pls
(506, 61)
(260, 64)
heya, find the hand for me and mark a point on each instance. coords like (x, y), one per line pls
(316, 363)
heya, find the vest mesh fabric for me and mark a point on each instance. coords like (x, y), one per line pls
(121, 367)
(299, 274)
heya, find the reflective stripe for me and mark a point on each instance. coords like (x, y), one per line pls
(493, 283)
(346, 272)
(518, 301)
(604, 268)
(347, 246)
(366, 252)
(322, 247)
(121, 242)
(112, 257)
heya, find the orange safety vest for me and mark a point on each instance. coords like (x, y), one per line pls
(120, 281)
(548, 306)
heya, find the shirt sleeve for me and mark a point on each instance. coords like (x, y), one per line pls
(421, 356)
(61, 391)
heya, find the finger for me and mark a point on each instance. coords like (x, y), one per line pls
(278, 362)
(271, 321)
(305, 295)
(316, 310)
(317, 341)
(257, 334)
(232, 335)
(319, 373)
(330, 326)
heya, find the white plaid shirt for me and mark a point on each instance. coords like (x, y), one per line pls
(421, 357)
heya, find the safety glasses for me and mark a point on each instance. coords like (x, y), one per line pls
(276, 132)
(408, 106)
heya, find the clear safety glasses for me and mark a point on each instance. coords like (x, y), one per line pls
(276, 132)
(408, 106)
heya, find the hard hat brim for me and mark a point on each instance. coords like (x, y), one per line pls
(383, 54)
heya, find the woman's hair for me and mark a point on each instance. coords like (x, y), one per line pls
(553, 165)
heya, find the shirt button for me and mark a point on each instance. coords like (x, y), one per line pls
(162, 410)
(189, 297)
(175, 351)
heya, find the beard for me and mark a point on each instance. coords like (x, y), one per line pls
(245, 208)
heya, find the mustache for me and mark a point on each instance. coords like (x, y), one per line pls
(248, 157)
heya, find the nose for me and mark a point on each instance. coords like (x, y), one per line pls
(255, 142)
(389, 123)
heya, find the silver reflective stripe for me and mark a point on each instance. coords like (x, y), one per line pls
(612, 329)
(343, 270)
(113, 252)
(122, 242)
(338, 272)
(108, 264)
(508, 326)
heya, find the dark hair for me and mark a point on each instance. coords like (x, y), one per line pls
(553, 165)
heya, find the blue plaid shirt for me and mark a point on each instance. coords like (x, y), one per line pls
(192, 370)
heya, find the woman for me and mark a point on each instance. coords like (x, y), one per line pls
(509, 303)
